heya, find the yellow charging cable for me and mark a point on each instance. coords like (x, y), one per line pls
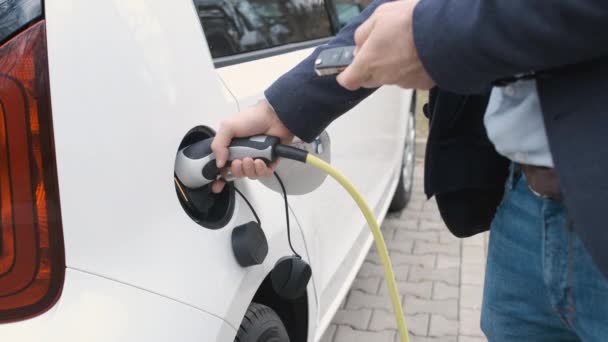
(389, 274)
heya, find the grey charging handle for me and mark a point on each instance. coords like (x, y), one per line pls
(195, 165)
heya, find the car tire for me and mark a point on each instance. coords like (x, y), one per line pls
(261, 324)
(406, 176)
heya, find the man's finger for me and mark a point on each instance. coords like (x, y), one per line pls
(237, 168)
(249, 167)
(363, 31)
(217, 186)
(261, 169)
(356, 74)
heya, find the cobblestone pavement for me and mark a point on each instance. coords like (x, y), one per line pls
(440, 279)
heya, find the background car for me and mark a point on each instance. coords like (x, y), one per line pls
(96, 241)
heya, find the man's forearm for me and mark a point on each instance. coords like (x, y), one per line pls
(467, 44)
(306, 103)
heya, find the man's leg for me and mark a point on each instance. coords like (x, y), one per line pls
(589, 295)
(520, 293)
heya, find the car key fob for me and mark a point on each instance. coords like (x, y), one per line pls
(333, 61)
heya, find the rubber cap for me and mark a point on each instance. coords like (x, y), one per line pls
(290, 277)
(249, 244)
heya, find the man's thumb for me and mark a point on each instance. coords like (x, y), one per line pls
(220, 144)
(355, 74)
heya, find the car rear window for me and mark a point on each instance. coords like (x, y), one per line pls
(16, 15)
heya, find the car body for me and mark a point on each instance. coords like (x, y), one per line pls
(128, 81)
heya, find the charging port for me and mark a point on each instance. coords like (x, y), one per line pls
(212, 211)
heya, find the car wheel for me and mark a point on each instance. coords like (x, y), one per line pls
(261, 324)
(406, 177)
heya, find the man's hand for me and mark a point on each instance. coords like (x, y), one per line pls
(255, 120)
(386, 53)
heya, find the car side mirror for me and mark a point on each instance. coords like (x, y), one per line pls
(299, 178)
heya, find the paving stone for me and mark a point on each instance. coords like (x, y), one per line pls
(417, 194)
(369, 269)
(411, 214)
(474, 255)
(430, 216)
(432, 225)
(328, 336)
(414, 338)
(384, 320)
(360, 300)
(472, 274)
(428, 236)
(418, 188)
(463, 338)
(475, 240)
(431, 248)
(447, 261)
(348, 334)
(447, 308)
(446, 237)
(471, 296)
(390, 226)
(404, 259)
(343, 304)
(391, 216)
(444, 291)
(388, 234)
(368, 285)
(431, 209)
(418, 289)
(441, 326)
(358, 319)
(405, 221)
(416, 205)
(470, 322)
(431, 204)
(447, 275)
(486, 238)
(401, 246)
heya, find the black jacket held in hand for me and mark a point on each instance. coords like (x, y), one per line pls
(465, 46)
(462, 169)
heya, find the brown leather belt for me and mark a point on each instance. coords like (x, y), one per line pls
(542, 181)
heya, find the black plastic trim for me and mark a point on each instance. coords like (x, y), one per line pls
(269, 141)
(199, 150)
(274, 51)
(330, 7)
(197, 212)
(290, 152)
(210, 171)
(23, 25)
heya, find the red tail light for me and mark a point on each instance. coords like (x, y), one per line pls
(31, 244)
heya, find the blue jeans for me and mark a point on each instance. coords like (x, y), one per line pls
(541, 284)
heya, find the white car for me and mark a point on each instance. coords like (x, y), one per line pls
(96, 98)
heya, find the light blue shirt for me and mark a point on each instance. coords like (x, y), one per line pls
(514, 121)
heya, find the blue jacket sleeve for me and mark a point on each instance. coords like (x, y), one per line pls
(307, 103)
(465, 45)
